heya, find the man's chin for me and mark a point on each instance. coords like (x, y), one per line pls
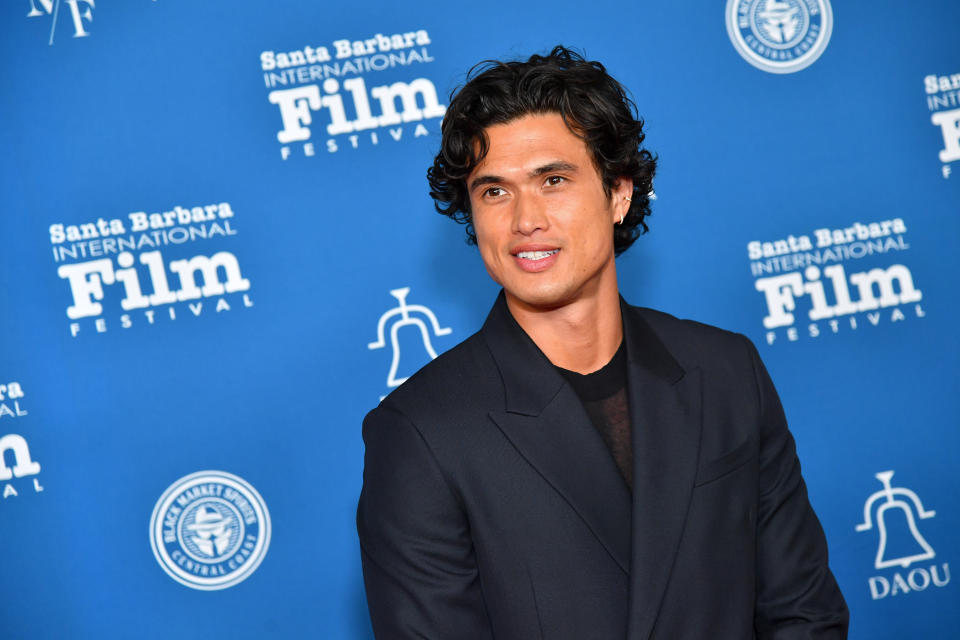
(540, 299)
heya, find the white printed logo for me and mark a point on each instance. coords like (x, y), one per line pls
(808, 269)
(910, 511)
(326, 104)
(77, 14)
(894, 512)
(943, 92)
(406, 318)
(23, 464)
(10, 396)
(210, 530)
(779, 36)
(149, 291)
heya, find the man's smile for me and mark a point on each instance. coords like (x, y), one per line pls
(535, 255)
(534, 258)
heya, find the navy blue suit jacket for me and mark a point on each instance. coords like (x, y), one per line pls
(491, 506)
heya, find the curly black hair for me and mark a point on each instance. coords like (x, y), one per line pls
(593, 105)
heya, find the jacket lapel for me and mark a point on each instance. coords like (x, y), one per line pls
(546, 422)
(665, 416)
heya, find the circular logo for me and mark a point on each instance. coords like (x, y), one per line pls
(779, 36)
(210, 530)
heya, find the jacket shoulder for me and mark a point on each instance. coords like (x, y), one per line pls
(696, 344)
(460, 381)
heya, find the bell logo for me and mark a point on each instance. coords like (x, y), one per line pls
(405, 315)
(909, 511)
(894, 512)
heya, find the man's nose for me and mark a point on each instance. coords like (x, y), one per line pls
(529, 215)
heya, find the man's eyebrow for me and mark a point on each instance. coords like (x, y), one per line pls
(481, 180)
(552, 167)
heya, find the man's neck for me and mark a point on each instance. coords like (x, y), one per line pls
(582, 336)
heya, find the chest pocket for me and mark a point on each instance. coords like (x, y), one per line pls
(729, 462)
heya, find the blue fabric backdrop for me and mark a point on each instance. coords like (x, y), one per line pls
(815, 210)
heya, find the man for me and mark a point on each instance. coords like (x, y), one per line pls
(580, 468)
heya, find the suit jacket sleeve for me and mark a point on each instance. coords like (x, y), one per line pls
(797, 595)
(419, 565)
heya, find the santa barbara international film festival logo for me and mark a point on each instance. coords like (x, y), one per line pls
(22, 476)
(352, 94)
(816, 275)
(210, 530)
(943, 100)
(895, 514)
(779, 36)
(100, 259)
(418, 318)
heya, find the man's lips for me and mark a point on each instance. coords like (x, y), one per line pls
(533, 258)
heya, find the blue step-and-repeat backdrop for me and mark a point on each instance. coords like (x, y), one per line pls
(217, 253)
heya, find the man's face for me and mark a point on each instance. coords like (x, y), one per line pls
(543, 222)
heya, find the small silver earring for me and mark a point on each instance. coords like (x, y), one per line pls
(628, 199)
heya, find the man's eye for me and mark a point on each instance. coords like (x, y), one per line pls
(493, 192)
(555, 180)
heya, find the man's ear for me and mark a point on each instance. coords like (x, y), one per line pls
(620, 194)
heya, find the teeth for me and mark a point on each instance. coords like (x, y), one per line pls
(536, 255)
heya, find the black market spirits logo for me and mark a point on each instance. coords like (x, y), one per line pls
(779, 36)
(210, 530)
(80, 13)
(322, 90)
(798, 269)
(127, 256)
(895, 513)
(943, 100)
(20, 476)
